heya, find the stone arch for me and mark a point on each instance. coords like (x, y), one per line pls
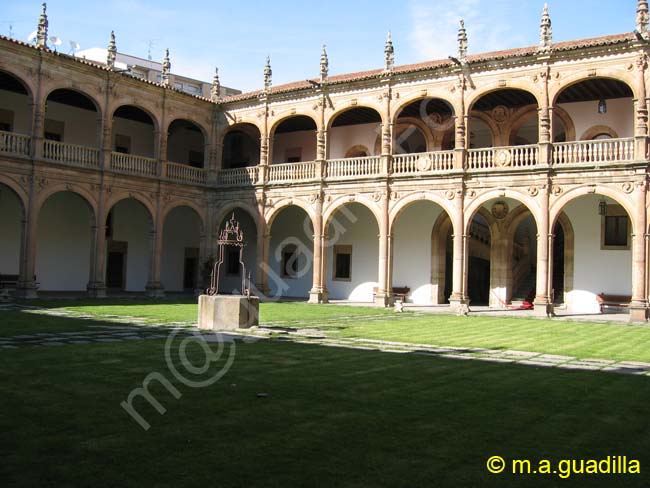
(569, 250)
(496, 86)
(519, 118)
(357, 151)
(280, 205)
(18, 190)
(133, 103)
(566, 119)
(404, 202)
(190, 120)
(253, 136)
(405, 102)
(439, 232)
(85, 195)
(185, 203)
(21, 79)
(289, 115)
(151, 212)
(491, 124)
(344, 200)
(251, 210)
(95, 102)
(334, 115)
(557, 206)
(555, 92)
(485, 197)
(597, 130)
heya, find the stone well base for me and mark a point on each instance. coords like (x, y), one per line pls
(228, 311)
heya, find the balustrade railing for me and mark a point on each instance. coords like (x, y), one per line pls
(138, 165)
(354, 167)
(185, 173)
(596, 151)
(288, 172)
(65, 153)
(409, 164)
(13, 143)
(238, 176)
(503, 157)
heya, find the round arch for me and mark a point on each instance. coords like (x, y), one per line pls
(580, 77)
(191, 121)
(341, 202)
(558, 206)
(97, 104)
(566, 119)
(407, 124)
(419, 97)
(283, 204)
(598, 130)
(404, 202)
(85, 195)
(287, 116)
(485, 197)
(185, 203)
(488, 121)
(150, 113)
(132, 196)
(495, 87)
(20, 79)
(252, 212)
(333, 116)
(20, 193)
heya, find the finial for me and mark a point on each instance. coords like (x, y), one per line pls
(111, 52)
(166, 68)
(642, 17)
(324, 65)
(41, 31)
(545, 31)
(462, 42)
(389, 54)
(267, 74)
(216, 86)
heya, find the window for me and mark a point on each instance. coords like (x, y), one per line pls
(232, 261)
(343, 263)
(615, 229)
(289, 261)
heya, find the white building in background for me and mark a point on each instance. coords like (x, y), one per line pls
(492, 178)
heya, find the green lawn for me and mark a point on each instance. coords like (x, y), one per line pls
(333, 418)
(579, 339)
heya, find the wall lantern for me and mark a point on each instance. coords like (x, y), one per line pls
(602, 207)
(602, 106)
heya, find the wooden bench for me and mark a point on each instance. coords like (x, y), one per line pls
(618, 301)
(399, 292)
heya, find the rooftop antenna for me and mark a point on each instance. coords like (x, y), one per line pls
(150, 44)
(74, 46)
(31, 37)
(55, 41)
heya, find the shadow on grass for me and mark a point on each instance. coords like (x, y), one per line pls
(331, 417)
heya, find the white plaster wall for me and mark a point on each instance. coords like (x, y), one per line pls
(619, 116)
(232, 283)
(292, 227)
(343, 138)
(10, 229)
(181, 230)
(359, 230)
(412, 251)
(595, 270)
(19, 105)
(142, 135)
(181, 142)
(131, 224)
(80, 126)
(304, 139)
(63, 243)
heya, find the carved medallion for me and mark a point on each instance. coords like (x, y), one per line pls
(502, 157)
(423, 163)
(500, 209)
(500, 113)
(628, 187)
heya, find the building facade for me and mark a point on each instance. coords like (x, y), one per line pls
(489, 178)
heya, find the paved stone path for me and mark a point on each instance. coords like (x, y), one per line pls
(291, 331)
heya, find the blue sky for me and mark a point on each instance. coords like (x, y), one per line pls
(238, 35)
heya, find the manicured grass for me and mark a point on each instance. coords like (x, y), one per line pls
(333, 418)
(573, 338)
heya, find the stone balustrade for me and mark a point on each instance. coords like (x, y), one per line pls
(507, 158)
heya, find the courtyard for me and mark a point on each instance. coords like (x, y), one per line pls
(299, 399)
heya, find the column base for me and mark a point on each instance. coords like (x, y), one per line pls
(27, 290)
(460, 306)
(638, 312)
(154, 289)
(543, 308)
(318, 296)
(384, 300)
(96, 289)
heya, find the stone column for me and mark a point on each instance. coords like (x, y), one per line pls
(641, 116)
(263, 267)
(459, 301)
(542, 302)
(96, 284)
(318, 292)
(545, 125)
(384, 287)
(38, 127)
(26, 286)
(639, 303)
(154, 287)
